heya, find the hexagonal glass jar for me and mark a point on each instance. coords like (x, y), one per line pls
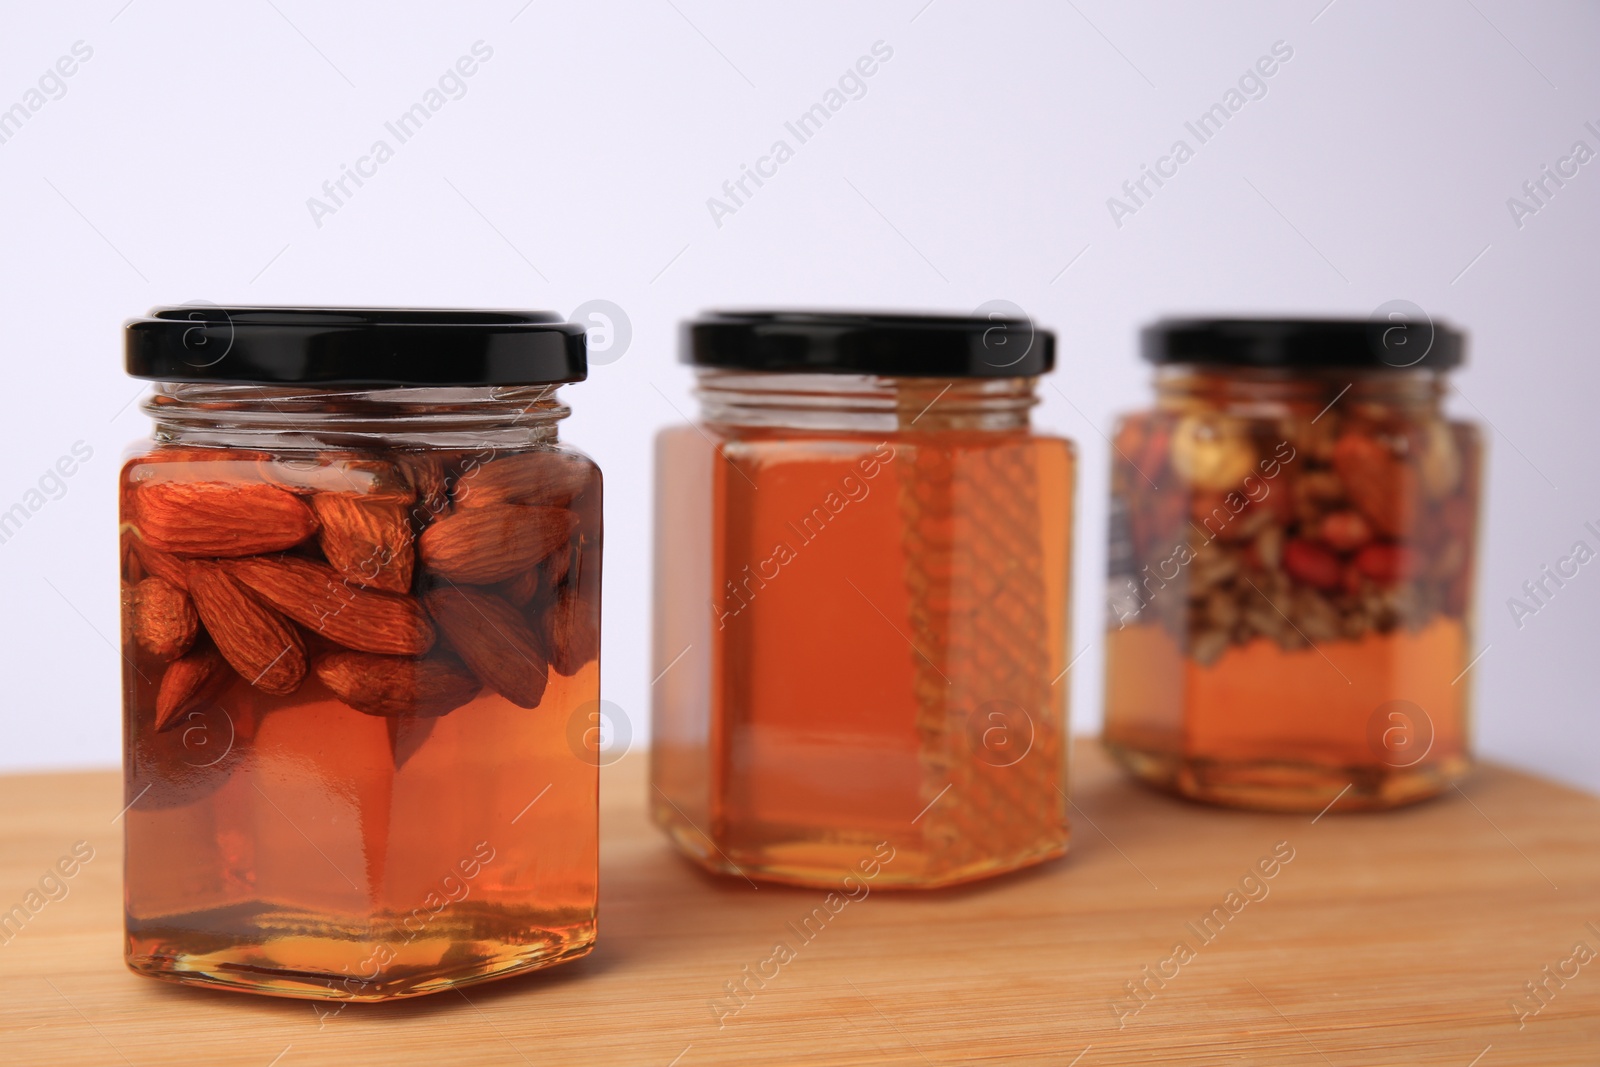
(361, 580)
(863, 559)
(1293, 533)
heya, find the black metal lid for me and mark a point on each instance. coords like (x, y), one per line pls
(355, 346)
(1305, 344)
(850, 342)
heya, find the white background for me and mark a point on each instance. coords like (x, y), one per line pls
(178, 164)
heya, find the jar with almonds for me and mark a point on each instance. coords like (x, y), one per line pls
(360, 580)
(1293, 533)
(863, 552)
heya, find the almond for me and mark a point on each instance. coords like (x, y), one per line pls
(158, 563)
(544, 479)
(1379, 482)
(221, 519)
(555, 568)
(367, 541)
(339, 472)
(544, 579)
(163, 618)
(483, 545)
(397, 685)
(190, 681)
(406, 735)
(318, 598)
(258, 643)
(491, 637)
(132, 569)
(572, 632)
(177, 463)
(522, 588)
(428, 474)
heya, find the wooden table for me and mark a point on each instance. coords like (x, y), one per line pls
(1395, 939)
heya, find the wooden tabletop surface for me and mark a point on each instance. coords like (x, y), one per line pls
(1406, 938)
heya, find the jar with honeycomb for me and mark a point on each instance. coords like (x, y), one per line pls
(862, 562)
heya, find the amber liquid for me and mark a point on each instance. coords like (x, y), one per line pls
(294, 846)
(1369, 712)
(872, 630)
(1269, 728)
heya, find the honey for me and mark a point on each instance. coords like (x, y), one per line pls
(1291, 565)
(360, 624)
(861, 628)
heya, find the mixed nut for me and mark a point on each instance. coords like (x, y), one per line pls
(1295, 529)
(404, 582)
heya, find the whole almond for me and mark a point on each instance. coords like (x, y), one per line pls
(556, 566)
(428, 474)
(483, 545)
(221, 518)
(572, 632)
(407, 733)
(542, 581)
(190, 681)
(542, 479)
(258, 643)
(522, 588)
(491, 637)
(339, 472)
(163, 618)
(397, 685)
(1382, 485)
(326, 603)
(158, 563)
(367, 541)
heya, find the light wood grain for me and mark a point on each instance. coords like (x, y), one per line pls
(1392, 939)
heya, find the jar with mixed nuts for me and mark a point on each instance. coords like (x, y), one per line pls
(361, 579)
(1292, 540)
(863, 553)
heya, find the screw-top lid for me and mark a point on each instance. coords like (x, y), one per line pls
(892, 345)
(1305, 344)
(355, 346)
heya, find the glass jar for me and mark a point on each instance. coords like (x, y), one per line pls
(862, 564)
(1293, 533)
(361, 588)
